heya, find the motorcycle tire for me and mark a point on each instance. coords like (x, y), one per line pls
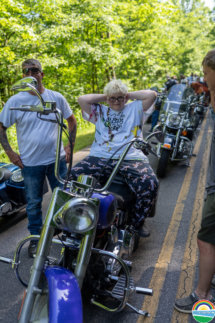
(40, 309)
(136, 241)
(163, 163)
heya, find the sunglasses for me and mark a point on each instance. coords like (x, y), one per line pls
(34, 70)
(119, 99)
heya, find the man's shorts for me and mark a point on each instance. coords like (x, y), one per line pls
(207, 231)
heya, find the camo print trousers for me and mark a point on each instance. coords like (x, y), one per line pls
(138, 175)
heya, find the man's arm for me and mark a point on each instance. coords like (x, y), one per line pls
(72, 125)
(85, 101)
(14, 157)
(147, 96)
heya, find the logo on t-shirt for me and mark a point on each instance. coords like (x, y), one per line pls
(114, 121)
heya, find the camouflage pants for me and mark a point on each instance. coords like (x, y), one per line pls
(138, 175)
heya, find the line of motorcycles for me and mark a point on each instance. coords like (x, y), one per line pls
(181, 113)
(98, 236)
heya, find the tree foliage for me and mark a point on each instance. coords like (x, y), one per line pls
(82, 44)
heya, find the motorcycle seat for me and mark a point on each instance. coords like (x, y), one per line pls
(5, 174)
(125, 197)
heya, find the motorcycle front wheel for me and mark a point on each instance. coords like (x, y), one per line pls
(163, 163)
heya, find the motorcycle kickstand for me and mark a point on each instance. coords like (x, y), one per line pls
(144, 313)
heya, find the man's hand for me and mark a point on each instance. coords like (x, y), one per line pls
(68, 152)
(15, 159)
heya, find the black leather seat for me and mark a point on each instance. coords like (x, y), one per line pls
(125, 197)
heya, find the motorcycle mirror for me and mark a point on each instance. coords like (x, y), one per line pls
(28, 84)
(23, 84)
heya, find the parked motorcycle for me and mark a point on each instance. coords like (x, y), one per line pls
(200, 107)
(176, 121)
(12, 190)
(98, 237)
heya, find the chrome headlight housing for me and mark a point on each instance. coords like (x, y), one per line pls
(174, 120)
(79, 215)
(186, 123)
(17, 176)
(162, 118)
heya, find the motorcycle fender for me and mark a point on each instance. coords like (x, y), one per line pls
(65, 303)
(168, 142)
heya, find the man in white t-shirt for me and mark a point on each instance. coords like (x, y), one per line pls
(37, 141)
(117, 124)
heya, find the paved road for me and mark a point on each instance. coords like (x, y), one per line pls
(166, 261)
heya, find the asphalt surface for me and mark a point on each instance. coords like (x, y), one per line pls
(147, 261)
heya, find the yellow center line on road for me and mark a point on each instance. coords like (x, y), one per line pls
(159, 274)
(185, 287)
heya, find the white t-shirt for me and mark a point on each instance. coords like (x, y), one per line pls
(37, 139)
(115, 128)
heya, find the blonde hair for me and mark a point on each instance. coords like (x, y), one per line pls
(115, 86)
(209, 59)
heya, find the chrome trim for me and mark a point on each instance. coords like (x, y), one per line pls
(84, 256)
(59, 139)
(44, 245)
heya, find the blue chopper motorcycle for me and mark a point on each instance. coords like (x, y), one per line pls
(12, 190)
(97, 239)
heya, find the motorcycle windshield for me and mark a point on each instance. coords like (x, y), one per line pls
(177, 99)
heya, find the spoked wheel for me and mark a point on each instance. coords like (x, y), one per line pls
(163, 163)
(40, 310)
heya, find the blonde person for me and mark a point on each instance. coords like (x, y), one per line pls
(116, 124)
(206, 234)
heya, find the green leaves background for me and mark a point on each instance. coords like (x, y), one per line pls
(82, 44)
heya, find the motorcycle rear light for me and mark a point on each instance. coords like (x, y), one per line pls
(167, 146)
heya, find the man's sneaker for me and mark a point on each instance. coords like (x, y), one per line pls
(144, 231)
(32, 249)
(185, 304)
(149, 131)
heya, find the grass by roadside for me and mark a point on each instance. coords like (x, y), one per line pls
(84, 138)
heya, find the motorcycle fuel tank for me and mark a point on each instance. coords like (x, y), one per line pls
(107, 209)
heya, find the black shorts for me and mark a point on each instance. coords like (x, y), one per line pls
(207, 231)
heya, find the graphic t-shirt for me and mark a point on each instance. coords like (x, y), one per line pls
(115, 128)
(37, 139)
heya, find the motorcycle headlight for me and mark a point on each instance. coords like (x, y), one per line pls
(162, 118)
(174, 119)
(79, 215)
(199, 109)
(17, 176)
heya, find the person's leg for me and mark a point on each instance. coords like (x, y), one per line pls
(143, 182)
(155, 116)
(34, 179)
(206, 269)
(50, 173)
(206, 244)
(91, 166)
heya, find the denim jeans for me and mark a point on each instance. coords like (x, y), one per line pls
(34, 177)
(155, 116)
